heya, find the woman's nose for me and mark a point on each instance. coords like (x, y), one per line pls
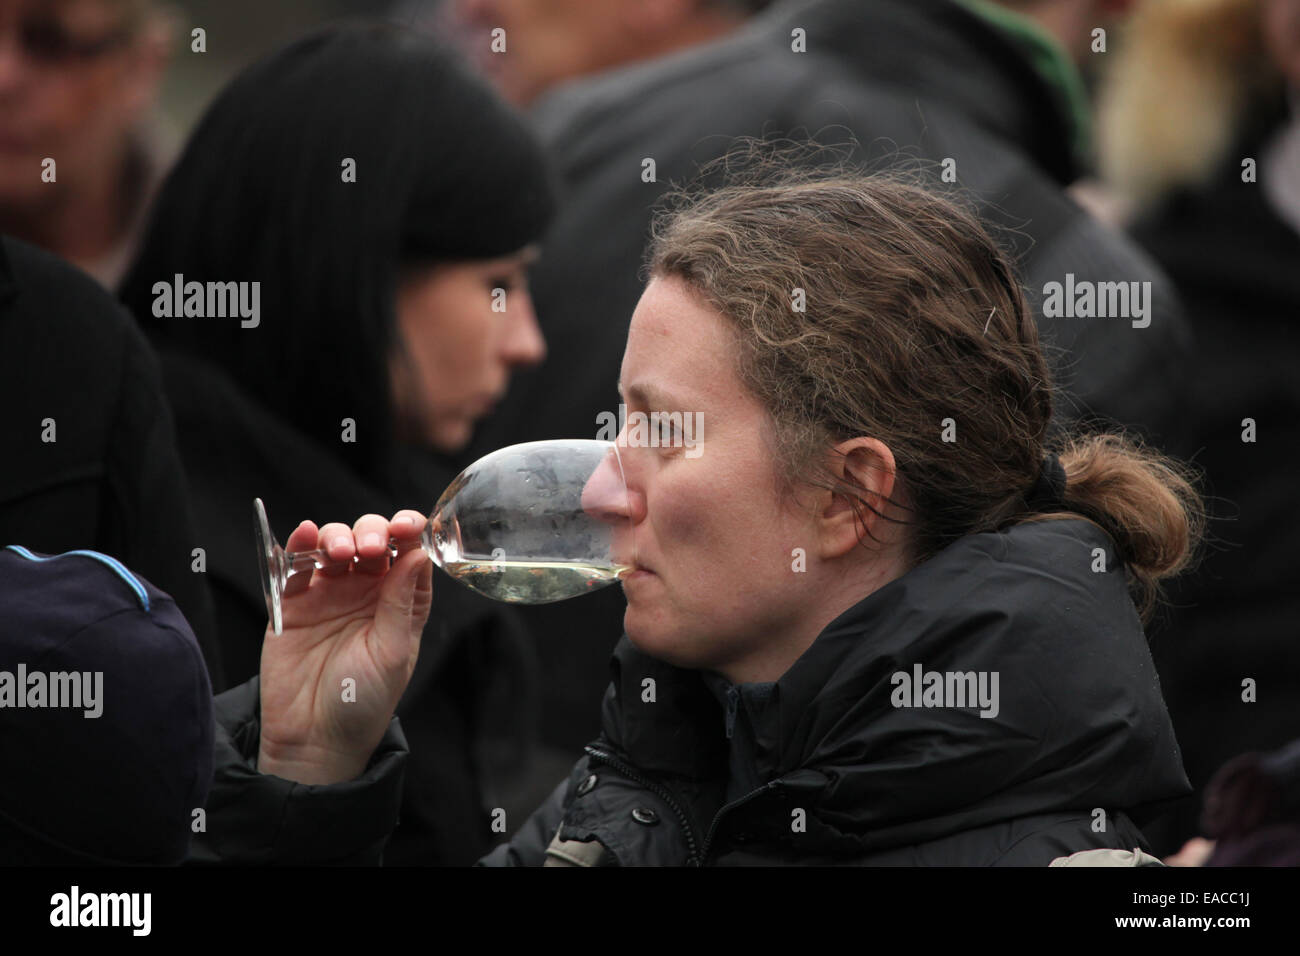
(607, 497)
(524, 343)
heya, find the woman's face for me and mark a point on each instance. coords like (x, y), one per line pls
(716, 586)
(460, 340)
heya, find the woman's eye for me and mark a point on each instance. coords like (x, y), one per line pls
(502, 282)
(669, 435)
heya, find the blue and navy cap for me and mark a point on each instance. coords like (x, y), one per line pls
(106, 722)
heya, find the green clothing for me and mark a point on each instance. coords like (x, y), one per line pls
(1053, 63)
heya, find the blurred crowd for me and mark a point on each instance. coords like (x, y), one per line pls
(523, 145)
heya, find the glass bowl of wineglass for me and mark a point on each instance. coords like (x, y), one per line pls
(527, 524)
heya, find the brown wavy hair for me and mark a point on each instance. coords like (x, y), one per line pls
(913, 316)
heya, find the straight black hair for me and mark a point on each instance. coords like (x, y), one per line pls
(444, 170)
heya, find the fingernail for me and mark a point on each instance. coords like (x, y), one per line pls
(338, 543)
(407, 521)
(371, 540)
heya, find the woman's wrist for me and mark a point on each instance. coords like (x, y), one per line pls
(309, 764)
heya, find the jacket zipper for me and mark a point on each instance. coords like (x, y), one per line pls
(713, 827)
(692, 856)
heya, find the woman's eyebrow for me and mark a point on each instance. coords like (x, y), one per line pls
(523, 259)
(648, 395)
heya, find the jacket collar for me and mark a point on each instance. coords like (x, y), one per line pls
(945, 53)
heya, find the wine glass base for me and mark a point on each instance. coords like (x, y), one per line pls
(270, 566)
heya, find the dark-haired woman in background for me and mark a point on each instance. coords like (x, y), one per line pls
(375, 207)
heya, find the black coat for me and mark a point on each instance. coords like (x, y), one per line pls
(1080, 729)
(926, 76)
(256, 819)
(111, 480)
(234, 450)
(1237, 265)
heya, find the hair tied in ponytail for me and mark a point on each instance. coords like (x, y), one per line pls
(1048, 492)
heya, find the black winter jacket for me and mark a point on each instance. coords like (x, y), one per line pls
(256, 819)
(1079, 746)
(110, 479)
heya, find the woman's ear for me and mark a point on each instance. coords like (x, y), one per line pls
(866, 466)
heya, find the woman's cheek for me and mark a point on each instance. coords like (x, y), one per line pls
(682, 529)
(472, 348)
(457, 358)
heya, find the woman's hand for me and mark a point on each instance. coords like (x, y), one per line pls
(331, 680)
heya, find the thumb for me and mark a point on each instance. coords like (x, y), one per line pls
(397, 602)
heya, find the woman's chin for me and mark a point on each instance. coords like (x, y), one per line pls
(450, 437)
(651, 635)
(641, 630)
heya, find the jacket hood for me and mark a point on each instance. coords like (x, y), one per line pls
(1078, 721)
(948, 53)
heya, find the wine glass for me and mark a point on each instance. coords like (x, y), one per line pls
(528, 524)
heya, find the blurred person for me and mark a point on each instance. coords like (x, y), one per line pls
(374, 207)
(551, 41)
(88, 440)
(986, 90)
(1252, 810)
(110, 676)
(1200, 143)
(78, 83)
(787, 723)
(103, 692)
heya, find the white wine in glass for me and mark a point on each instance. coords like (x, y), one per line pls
(528, 524)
